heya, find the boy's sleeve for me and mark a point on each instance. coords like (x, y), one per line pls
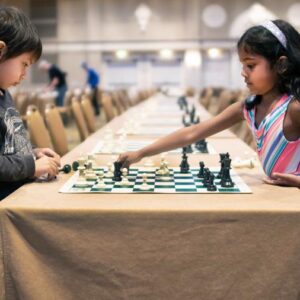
(16, 167)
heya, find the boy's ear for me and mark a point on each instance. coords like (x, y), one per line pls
(2, 49)
(282, 64)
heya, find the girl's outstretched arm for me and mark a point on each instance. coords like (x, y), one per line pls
(186, 136)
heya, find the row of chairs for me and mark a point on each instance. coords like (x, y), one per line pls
(50, 131)
(46, 128)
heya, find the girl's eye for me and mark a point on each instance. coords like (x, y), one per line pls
(250, 67)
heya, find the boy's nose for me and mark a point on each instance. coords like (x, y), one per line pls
(243, 73)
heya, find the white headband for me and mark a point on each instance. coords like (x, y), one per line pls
(276, 32)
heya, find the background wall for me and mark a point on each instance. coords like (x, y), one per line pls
(76, 30)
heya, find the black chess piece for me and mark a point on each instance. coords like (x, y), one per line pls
(189, 149)
(192, 114)
(201, 146)
(75, 165)
(197, 120)
(65, 169)
(182, 102)
(184, 165)
(226, 180)
(206, 177)
(201, 170)
(211, 187)
(117, 171)
(184, 122)
(222, 157)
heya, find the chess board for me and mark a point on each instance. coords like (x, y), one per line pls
(150, 130)
(176, 182)
(162, 122)
(133, 145)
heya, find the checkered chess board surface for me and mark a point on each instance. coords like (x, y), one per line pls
(175, 182)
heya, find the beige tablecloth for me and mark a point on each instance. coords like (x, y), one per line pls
(151, 246)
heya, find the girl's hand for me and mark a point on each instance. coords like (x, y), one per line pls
(283, 179)
(129, 158)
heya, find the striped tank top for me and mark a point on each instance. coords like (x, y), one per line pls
(275, 152)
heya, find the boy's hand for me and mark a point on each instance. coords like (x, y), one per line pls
(129, 158)
(283, 179)
(40, 152)
(46, 165)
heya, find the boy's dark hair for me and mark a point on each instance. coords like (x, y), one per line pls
(261, 41)
(18, 33)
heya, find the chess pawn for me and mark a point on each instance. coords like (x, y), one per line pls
(201, 170)
(184, 165)
(144, 185)
(110, 171)
(101, 183)
(125, 180)
(210, 184)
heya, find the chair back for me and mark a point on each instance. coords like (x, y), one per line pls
(38, 132)
(79, 119)
(107, 105)
(56, 129)
(88, 113)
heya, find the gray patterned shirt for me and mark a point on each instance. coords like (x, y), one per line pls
(16, 155)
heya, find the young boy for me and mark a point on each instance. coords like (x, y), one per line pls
(20, 46)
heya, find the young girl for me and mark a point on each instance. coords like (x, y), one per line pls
(20, 46)
(270, 57)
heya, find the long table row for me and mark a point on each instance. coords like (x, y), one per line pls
(151, 246)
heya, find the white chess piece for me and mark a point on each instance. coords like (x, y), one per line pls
(125, 180)
(244, 163)
(148, 162)
(110, 170)
(145, 186)
(101, 183)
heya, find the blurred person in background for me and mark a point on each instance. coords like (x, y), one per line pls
(92, 80)
(57, 80)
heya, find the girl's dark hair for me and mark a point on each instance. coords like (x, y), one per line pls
(18, 33)
(261, 41)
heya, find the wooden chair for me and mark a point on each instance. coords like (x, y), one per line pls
(88, 113)
(21, 101)
(38, 132)
(107, 106)
(79, 119)
(117, 104)
(56, 129)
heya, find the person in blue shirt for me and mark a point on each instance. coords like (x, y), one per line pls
(93, 80)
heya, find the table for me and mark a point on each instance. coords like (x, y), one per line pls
(128, 246)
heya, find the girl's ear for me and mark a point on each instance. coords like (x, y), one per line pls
(3, 49)
(282, 64)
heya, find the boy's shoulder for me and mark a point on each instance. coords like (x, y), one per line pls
(5, 100)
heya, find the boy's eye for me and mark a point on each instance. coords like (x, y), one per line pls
(250, 66)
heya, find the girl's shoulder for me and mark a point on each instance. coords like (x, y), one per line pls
(294, 110)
